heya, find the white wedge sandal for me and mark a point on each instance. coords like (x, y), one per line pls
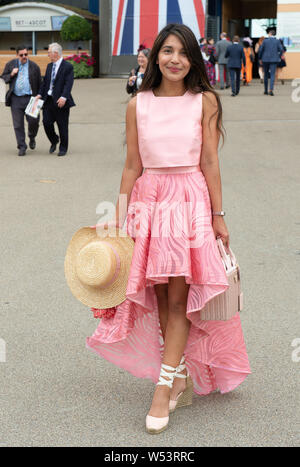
(186, 397)
(155, 425)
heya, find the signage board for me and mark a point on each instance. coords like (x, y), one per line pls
(288, 30)
(57, 22)
(5, 24)
(31, 23)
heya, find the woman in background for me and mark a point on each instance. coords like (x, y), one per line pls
(259, 67)
(136, 75)
(209, 55)
(281, 64)
(202, 42)
(249, 54)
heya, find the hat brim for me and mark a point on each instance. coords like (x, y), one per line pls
(113, 294)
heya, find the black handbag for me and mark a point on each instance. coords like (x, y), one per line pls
(11, 88)
(212, 59)
(8, 98)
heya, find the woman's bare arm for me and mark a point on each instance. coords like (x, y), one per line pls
(133, 166)
(209, 162)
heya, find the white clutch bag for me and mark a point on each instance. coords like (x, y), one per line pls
(224, 306)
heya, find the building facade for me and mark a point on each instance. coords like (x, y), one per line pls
(35, 24)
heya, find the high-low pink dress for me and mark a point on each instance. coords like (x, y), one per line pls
(169, 217)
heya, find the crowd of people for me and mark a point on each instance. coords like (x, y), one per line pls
(236, 59)
(229, 62)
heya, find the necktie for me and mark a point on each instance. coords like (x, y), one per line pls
(52, 76)
(21, 80)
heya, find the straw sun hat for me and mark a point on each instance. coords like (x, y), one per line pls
(97, 266)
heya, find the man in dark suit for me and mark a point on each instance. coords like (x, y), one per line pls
(269, 55)
(235, 55)
(24, 79)
(56, 93)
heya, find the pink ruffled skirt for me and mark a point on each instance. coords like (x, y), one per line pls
(169, 217)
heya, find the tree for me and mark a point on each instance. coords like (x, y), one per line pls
(76, 28)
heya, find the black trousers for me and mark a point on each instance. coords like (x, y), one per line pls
(51, 114)
(18, 106)
(235, 78)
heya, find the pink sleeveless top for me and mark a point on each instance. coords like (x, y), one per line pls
(169, 129)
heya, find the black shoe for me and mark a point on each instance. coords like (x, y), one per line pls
(227, 86)
(233, 95)
(32, 143)
(53, 148)
(266, 93)
(62, 153)
(271, 93)
(22, 152)
(221, 89)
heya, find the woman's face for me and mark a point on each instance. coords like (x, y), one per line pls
(142, 60)
(172, 59)
(211, 42)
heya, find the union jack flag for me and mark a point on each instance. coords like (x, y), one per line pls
(136, 22)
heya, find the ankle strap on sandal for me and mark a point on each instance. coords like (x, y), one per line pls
(181, 367)
(166, 374)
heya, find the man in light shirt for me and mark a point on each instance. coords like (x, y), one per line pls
(24, 79)
(56, 93)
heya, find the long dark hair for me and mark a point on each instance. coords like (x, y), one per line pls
(196, 80)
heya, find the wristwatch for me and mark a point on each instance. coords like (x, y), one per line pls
(219, 213)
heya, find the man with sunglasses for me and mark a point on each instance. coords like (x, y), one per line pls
(24, 79)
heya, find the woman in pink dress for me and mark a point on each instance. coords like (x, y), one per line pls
(172, 179)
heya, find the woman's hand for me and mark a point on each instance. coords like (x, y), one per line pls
(131, 80)
(220, 230)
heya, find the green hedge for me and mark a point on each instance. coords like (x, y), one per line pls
(76, 28)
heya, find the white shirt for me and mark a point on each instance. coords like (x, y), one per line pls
(205, 57)
(57, 65)
(139, 79)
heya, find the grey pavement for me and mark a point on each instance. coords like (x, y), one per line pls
(54, 392)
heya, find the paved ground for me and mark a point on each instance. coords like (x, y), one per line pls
(54, 392)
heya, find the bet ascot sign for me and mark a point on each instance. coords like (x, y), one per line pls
(52, 23)
(31, 24)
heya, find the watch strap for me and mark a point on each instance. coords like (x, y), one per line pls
(218, 213)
